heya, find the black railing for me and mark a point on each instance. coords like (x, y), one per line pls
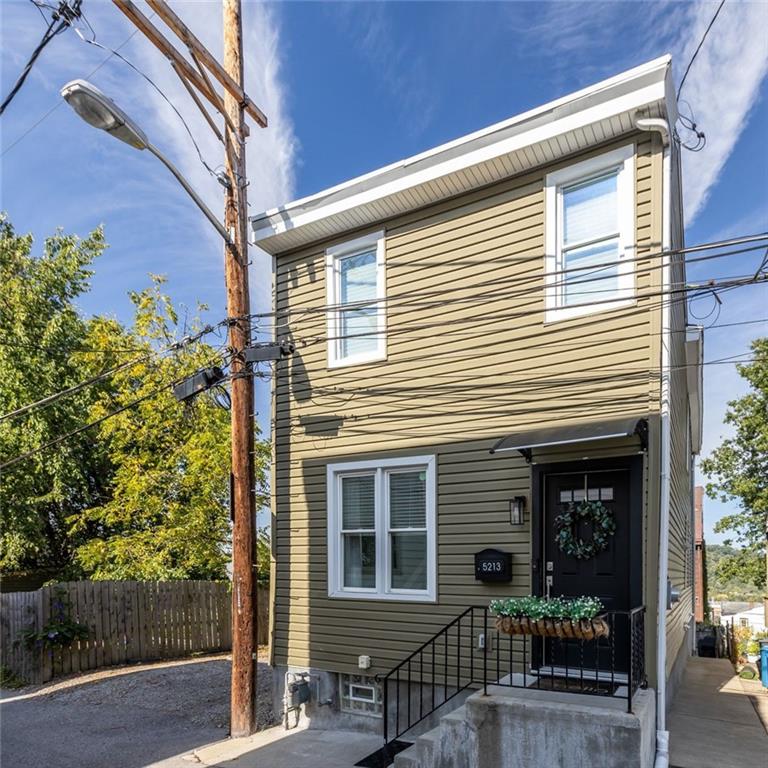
(470, 653)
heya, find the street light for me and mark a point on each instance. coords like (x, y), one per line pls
(101, 112)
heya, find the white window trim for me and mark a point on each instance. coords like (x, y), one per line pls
(623, 159)
(335, 560)
(332, 256)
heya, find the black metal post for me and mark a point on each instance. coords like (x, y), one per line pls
(485, 651)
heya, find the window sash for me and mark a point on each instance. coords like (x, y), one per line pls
(611, 286)
(346, 346)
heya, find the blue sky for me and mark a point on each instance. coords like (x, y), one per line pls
(351, 87)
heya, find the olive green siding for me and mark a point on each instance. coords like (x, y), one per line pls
(469, 359)
(680, 492)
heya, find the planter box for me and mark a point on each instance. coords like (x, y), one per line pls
(581, 629)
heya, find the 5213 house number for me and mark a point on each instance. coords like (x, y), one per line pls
(493, 565)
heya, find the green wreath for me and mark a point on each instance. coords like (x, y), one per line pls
(603, 527)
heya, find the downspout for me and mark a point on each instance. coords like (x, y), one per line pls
(662, 734)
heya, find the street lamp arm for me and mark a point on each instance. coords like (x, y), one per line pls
(191, 192)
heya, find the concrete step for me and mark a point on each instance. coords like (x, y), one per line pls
(408, 758)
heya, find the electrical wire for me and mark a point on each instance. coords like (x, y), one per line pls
(136, 69)
(698, 47)
(675, 295)
(59, 102)
(50, 399)
(90, 425)
(83, 428)
(64, 15)
(752, 243)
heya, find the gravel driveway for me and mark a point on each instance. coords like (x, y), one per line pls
(129, 717)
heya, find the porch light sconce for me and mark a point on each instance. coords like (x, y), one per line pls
(517, 510)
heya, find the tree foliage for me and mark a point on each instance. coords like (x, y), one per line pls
(143, 495)
(738, 469)
(734, 574)
(42, 341)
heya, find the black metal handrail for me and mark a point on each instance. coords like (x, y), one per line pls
(447, 665)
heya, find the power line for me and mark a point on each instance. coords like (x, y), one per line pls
(90, 425)
(50, 399)
(698, 47)
(751, 243)
(143, 74)
(59, 102)
(675, 295)
(64, 15)
(62, 438)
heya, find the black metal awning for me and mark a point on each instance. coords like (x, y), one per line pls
(525, 442)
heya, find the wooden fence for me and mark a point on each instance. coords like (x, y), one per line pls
(128, 621)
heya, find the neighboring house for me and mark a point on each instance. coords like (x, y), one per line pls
(753, 617)
(701, 593)
(486, 333)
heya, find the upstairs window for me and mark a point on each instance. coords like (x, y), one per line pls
(381, 529)
(590, 235)
(356, 314)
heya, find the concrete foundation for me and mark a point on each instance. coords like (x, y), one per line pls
(323, 711)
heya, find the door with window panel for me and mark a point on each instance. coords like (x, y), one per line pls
(606, 575)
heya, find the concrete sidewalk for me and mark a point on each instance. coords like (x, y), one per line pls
(299, 748)
(713, 722)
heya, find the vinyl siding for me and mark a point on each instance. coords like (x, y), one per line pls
(467, 362)
(680, 496)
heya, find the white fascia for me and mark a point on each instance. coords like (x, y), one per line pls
(578, 110)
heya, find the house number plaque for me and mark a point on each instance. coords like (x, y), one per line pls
(493, 565)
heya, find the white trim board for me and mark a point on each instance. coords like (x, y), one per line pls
(335, 560)
(557, 129)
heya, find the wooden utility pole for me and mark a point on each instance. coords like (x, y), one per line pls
(238, 307)
(233, 107)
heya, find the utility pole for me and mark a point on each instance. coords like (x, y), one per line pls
(233, 107)
(238, 308)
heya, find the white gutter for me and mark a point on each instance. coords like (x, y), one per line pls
(662, 735)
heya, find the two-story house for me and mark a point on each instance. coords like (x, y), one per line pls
(489, 334)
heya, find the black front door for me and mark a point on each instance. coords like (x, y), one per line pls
(613, 575)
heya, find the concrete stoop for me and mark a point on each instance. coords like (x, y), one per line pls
(513, 728)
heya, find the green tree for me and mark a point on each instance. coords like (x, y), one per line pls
(738, 469)
(145, 493)
(167, 511)
(42, 351)
(734, 574)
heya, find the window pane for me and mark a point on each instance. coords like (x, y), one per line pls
(360, 560)
(354, 324)
(408, 499)
(590, 283)
(590, 210)
(409, 560)
(357, 503)
(357, 275)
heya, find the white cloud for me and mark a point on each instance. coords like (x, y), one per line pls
(722, 86)
(584, 42)
(270, 152)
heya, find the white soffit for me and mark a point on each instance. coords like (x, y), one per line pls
(597, 114)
